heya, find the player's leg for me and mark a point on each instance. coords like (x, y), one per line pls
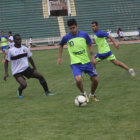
(113, 59)
(94, 85)
(122, 65)
(42, 81)
(77, 73)
(90, 70)
(4, 53)
(79, 83)
(23, 85)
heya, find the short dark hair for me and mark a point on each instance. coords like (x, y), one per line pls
(94, 22)
(16, 36)
(10, 32)
(71, 22)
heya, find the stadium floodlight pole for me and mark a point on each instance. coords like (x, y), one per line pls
(68, 5)
(48, 7)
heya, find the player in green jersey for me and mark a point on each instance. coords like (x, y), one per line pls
(4, 44)
(104, 51)
(79, 44)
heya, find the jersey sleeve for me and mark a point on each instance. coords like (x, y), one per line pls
(8, 56)
(29, 54)
(6, 37)
(102, 34)
(88, 39)
(11, 38)
(63, 41)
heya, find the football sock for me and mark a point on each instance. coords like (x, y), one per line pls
(84, 93)
(44, 85)
(20, 91)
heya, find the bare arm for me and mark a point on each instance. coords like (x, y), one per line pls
(60, 55)
(32, 62)
(115, 43)
(6, 70)
(93, 60)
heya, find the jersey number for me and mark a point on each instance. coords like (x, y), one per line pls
(71, 43)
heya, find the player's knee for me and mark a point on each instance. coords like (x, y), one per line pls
(40, 77)
(94, 79)
(115, 62)
(24, 85)
(37, 75)
(78, 79)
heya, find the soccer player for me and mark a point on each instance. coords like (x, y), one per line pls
(30, 42)
(10, 40)
(19, 56)
(4, 45)
(78, 43)
(104, 51)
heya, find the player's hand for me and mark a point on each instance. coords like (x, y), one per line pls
(6, 76)
(59, 61)
(94, 62)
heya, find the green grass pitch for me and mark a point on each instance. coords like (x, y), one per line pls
(37, 117)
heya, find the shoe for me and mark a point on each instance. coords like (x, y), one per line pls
(85, 95)
(132, 73)
(19, 96)
(49, 93)
(87, 98)
(93, 97)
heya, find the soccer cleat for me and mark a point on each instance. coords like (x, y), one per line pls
(87, 99)
(18, 94)
(85, 95)
(93, 97)
(132, 73)
(49, 93)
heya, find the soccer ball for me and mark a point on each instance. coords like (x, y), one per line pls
(80, 101)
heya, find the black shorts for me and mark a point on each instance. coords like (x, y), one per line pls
(27, 73)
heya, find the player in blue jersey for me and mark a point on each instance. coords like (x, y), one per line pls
(79, 44)
(104, 51)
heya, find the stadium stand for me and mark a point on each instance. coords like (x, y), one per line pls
(30, 18)
(110, 14)
(27, 19)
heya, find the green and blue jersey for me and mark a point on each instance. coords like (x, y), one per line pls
(100, 39)
(77, 46)
(3, 40)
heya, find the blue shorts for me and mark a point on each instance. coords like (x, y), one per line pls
(3, 48)
(79, 68)
(109, 56)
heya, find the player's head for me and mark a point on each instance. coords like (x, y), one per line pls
(94, 26)
(72, 25)
(9, 33)
(2, 33)
(17, 39)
